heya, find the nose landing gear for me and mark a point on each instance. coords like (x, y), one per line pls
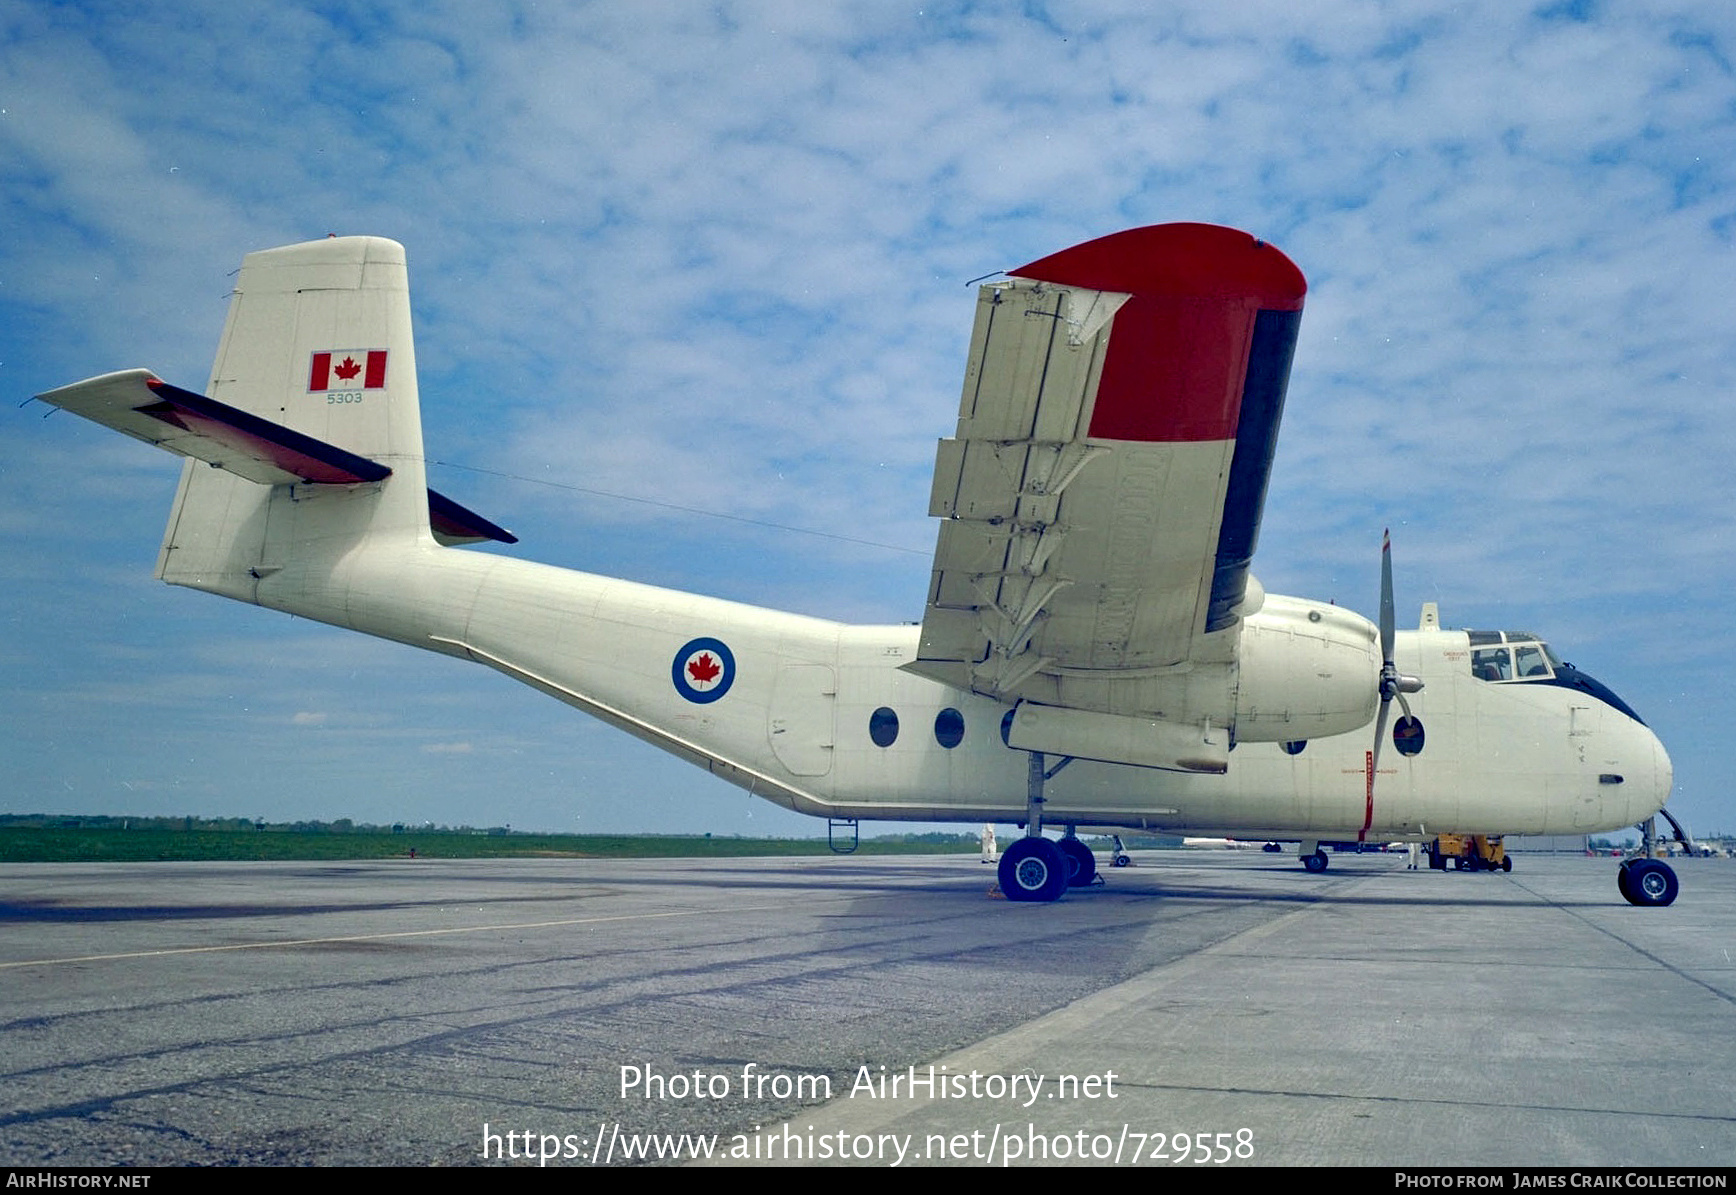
(1646, 882)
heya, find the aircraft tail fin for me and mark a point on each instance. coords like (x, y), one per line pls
(308, 440)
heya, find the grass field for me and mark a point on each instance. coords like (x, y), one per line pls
(34, 844)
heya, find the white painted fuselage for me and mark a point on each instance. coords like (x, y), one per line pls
(794, 724)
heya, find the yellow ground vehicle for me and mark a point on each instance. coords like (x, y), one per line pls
(1469, 852)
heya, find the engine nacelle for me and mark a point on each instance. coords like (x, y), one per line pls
(1308, 671)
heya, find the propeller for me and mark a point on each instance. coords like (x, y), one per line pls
(1393, 683)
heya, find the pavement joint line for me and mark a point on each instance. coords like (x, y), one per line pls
(408, 933)
(1444, 1101)
(1001, 1052)
(1727, 997)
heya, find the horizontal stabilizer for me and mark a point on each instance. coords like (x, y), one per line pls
(455, 524)
(142, 405)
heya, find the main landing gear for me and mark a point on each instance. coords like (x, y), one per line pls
(1081, 863)
(1040, 869)
(1033, 869)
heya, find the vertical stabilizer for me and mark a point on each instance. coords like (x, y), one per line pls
(317, 340)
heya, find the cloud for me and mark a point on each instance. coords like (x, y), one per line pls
(447, 748)
(716, 257)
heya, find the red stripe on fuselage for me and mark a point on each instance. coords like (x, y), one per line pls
(1368, 806)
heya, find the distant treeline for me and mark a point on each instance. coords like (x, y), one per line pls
(187, 824)
(65, 838)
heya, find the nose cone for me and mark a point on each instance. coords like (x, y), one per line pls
(1664, 775)
(1644, 767)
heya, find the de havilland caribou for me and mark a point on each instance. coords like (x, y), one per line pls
(1094, 650)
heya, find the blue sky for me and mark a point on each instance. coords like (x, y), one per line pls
(714, 256)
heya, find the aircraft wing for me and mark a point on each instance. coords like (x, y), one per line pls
(1102, 495)
(142, 405)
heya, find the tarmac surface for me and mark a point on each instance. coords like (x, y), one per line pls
(1200, 1008)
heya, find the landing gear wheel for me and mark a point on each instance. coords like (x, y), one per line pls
(1033, 869)
(1646, 882)
(1123, 860)
(1316, 862)
(1081, 863)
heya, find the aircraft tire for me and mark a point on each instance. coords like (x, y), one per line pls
(1081, 863)
(1033, 869)
(1316, 862)
(1647, 882)
(1123, 860)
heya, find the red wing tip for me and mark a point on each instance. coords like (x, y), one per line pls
(1186, 259)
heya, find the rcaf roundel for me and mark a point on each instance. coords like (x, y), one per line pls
(703, 670)
(347, 369)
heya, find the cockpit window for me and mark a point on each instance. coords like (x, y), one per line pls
(1492, 663)
(1520, 656)
(1528, 660)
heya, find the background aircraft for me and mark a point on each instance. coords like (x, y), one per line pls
(1091, 610)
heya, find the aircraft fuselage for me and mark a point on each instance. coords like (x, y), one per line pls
(820, 717)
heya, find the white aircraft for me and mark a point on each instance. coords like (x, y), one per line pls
(1094, 650)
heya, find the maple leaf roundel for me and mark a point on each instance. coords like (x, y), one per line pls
(703, 670)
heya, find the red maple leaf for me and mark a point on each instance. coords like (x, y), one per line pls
(348, 369)
(703, 670)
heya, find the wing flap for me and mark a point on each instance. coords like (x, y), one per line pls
(1103, 491)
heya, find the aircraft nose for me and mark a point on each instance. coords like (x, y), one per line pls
(1665, 773)
(1651, 775)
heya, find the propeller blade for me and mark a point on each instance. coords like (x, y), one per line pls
(1380, 729)
(1387, 636)
(1390, 683)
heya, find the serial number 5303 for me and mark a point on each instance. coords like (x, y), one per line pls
(1199, 1148)
(334, 397)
